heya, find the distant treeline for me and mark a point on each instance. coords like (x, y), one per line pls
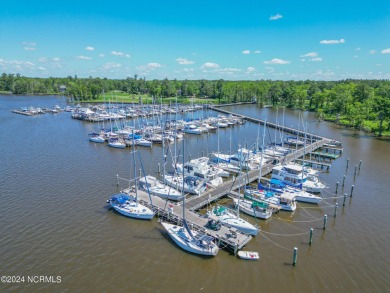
(363, 104)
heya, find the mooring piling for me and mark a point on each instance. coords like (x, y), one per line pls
(352, 187)
(345, 197)
(311, 236)
(335, 209)
(295, 256)
(325, 221)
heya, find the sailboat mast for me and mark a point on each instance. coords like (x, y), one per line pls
(262, 151)
(182, 190)
(135, 168)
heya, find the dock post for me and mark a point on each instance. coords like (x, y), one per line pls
(159, 168)
(140, 173)
(335, 209)
(337, 186)
(360, 163)
(235, 249)
(352, 187)
(117, 180)
(325, 221)
(311, 236)
(295, 256)
(355, 170)
(345, 197)
(343, 180)
(347, 163)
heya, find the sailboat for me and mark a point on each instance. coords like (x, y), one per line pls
(189, 239)
(128, 205)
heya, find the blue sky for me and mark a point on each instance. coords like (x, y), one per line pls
(232, 40)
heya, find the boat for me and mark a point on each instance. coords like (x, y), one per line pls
(189, 239)
(249, 255)
(192, 184)
(301, 195)
(199, 168)
(225, 216)
(143, 142)
(192, 129)
(115, 143)
(260, 210)
(129, 207)
(155, 187)
(294, 175)
(95, 137)
(285, 201)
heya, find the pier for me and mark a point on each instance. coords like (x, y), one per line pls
(227, 236)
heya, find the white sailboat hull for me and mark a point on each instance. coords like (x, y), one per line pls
(134, 210)
(180, 236)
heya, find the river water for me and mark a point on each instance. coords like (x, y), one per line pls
(55, 221)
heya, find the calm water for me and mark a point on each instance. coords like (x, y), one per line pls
(55, 222)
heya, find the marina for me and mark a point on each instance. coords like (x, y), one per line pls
(61, 194)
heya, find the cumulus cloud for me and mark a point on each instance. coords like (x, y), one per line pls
(42, 68)
(357, 49)
(89, 48)
(209, 65)
(276, 17)
(276, 61)
(316, 59)
(257, 52)
(29, 46)
(372, 52)
(184, 61)
(311, 54)
(332, 42)
(386, 51)
(149, 66)
(101, 55)
(111, 65)
(81, 57)
(246, 52)
(250, 69)
(120, 54)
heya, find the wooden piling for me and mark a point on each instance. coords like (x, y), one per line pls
(295, 255)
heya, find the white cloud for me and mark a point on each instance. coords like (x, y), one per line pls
(111, 65)
(42, 68)
(332, 42)
(303, 59)
(127, 55)
(81, 57)
(184, 61)
(372, 52)
(209, 65)
(149, 66)
(101, 55)
(90, 48)
(276, 61)
(43, 59)
(357, 49)
(29, 46)
(386, 51)
(316, 59)
(246, 52)
(56, 59)
(257, 52)
(250, 69)
(311, 54)
(116, 53)
(276, 17)
(227, 70)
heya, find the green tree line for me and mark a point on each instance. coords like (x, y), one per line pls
(364, 104)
